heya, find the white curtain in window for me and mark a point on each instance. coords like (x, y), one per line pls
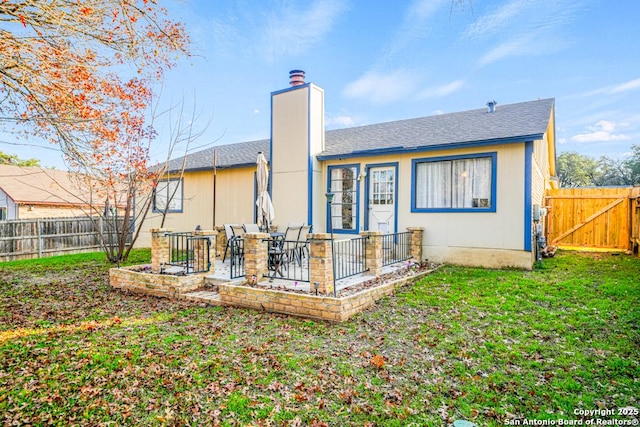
(482, 181)
(462, 177)
(463, 183)
(433, 185)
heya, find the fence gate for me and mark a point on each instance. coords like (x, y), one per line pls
(589, 217)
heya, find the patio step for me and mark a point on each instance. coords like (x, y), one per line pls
(206, 296)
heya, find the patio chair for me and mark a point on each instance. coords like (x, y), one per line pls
(301, 244)
(291, 237)
(251, 228)
(228, 231)
(238, 230)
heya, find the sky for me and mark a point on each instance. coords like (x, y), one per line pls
(380, 61)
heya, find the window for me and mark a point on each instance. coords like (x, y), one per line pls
(171, 191)
(458, 183)
(344, 209)
(3, 213)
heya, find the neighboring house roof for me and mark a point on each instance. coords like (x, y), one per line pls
(508, 123)
(38, 186)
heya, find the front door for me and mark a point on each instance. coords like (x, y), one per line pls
(382, 199)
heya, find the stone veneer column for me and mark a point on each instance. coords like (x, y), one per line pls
(221, 241)
(159, 248)
(256, 255)
(198, 249)
(321, 262)
(373, 251)
(416, 242)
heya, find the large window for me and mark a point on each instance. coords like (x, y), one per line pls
(168, 195)
(459, 183)
(3, 213)
(344, 209)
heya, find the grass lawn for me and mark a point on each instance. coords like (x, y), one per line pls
(490, 346)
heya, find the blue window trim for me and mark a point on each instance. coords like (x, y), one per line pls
(494, 180)
(356, 230)
(367, 169)
(181, 210)
(528, 208)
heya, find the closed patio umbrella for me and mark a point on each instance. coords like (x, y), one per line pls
(265, 211)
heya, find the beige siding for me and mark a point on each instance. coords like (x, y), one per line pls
(235, 190)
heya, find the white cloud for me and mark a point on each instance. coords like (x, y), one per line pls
(602, 131)
(625, 87)
(524, 28)
(256, 111)
(291, 31)
(615, 89)
(493, 22)
(443, 90)
(382, 88)
(512, 47)
(340, 121)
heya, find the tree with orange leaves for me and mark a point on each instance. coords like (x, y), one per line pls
(79, 73)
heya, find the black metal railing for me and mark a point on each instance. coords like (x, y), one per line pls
(236, 260)
(349, 257)
(288, 260)
(396, 247)
(188, 254)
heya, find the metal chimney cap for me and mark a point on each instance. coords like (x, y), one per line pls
(296, 77)
(492, 106)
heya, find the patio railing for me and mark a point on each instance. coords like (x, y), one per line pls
(396, 247)
(350, 257)
(236, 260)
(289, 260)
(188, 254)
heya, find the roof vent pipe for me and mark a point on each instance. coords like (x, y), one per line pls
(296, 77)
(491, 106)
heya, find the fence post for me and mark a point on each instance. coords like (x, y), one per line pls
(39, 234)
(256, 255)
(159, 248)
(373, 251)
(416, 242)
(221, 241)
(321, 263)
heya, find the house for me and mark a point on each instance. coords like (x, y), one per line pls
(474, 180)
(34, 192)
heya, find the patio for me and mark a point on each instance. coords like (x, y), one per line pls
(367, 268)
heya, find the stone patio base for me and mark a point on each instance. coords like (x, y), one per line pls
(311, 306)
(258, 298)
(160, 285)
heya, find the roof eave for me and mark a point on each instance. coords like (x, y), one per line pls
(437, 147)
(210, 168)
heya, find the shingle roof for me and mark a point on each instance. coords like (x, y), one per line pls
(34, 185)
(509, 122)
(230, 155)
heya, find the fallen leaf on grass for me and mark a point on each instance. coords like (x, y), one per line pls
(377, 361)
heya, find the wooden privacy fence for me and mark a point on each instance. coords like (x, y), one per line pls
(604, 217)
(37, 238)
(635, 220)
